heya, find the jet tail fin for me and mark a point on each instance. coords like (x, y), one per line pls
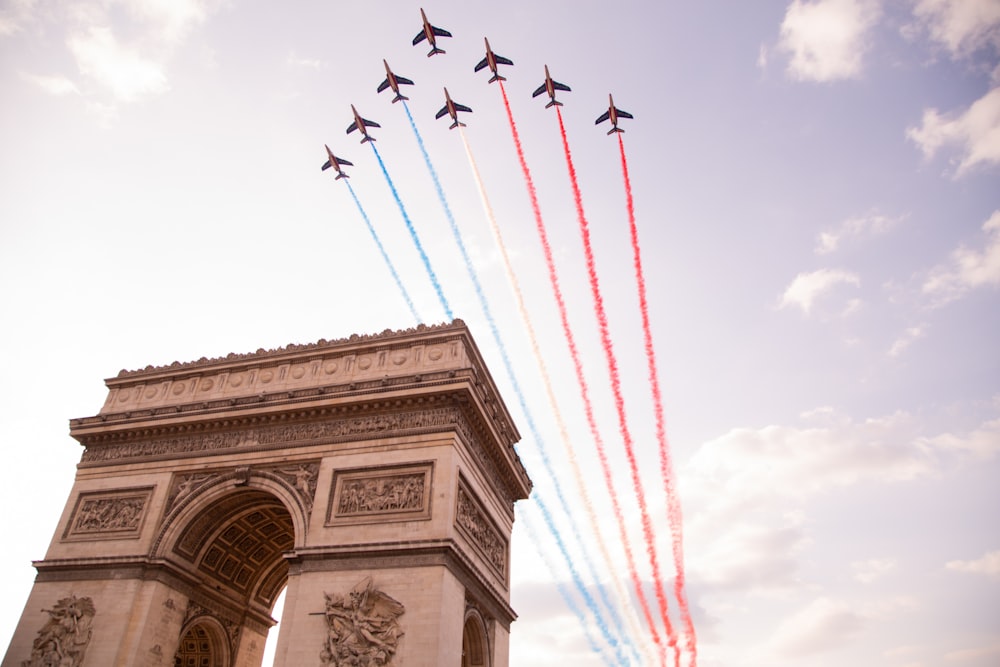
(553, 103)
(615, 129)
(457, 124)
(397, 98)
(367, 138)
(435, 50)
(340, 176)
(497, 77)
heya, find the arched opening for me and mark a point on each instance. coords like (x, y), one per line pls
(234, 541)
(475, 645)
(203, 645)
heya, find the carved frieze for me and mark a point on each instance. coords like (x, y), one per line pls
(63, 640)
(476, 525)
(302, 477)
(362, 627)
(396, 493)
(106, 515)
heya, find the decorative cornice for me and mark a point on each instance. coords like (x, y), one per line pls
(388, 336)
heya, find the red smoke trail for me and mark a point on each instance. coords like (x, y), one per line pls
(602, 320)
(578, 367)
(666, 463)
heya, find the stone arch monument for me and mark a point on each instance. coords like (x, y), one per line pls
(375, 477)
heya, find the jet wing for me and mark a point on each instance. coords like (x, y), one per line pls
(370, 123)
(462, 107)
(560, 86)
(421, 36)
(343, 162)
(623, 114)
(353, 126)
(385, 84)
(440, 32)
(604, 116)
(541, 89)
(326, 165)
(503, 61)
(443, 111)
(482, 63)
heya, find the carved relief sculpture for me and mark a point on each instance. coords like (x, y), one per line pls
(382, 494)
(362, 627)
(63, 639)
(473, 521)
(108, 514)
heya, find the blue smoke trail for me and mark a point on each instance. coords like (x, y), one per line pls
(413, 235)
(388, 262)
(487, 313)
(560, 586)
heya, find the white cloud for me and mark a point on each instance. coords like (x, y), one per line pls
(867, 571)
(961, 26)
(298, 61)
(909, 336)
(969, 268)
(53, 85)
(820, 626)
(974, 132)
(870, 224)
(806, 288)
(827, 38)
(123, 71)
(171, 19)
(967, 654)
(988, 565)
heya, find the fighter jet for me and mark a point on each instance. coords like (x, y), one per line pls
(492, 60)
(430, 33)
(452, 109)
(360, 124)
(613, 113)
(335, 162)
(393, 81)
(550, 87)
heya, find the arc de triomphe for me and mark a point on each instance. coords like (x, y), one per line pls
(373, 476)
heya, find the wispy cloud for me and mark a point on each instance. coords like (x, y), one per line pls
(53, 85)
(123, 71)
(806, 288)
(909, 336)
(961, 26)
(298, 61)
(968, 268)
(827, 39)
(988, 565)
(867, 571)
(820, 626)
(975, 133)
(870, 224)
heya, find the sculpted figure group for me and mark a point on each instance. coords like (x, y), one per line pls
(362, 627)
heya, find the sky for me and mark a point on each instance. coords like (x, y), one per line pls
(816, 193)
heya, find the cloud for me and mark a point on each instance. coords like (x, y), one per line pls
(964, 655)
(806, 288)
(297, 61)
(870, 224)
(909, 336)
(53, 85)
(968, 268)
(827, 38)
(975, 133)
(123, 71)
(988, 565)
(820, 626)
(867, 571)
(748, 556)
(961, 26)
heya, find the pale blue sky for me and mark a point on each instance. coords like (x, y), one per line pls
(818, 203)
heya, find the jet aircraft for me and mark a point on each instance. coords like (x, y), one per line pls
(393, 81)
(613, 114)
(452, 109)
(360, 124)
(335, 162)
(430, 33)
(492, 60)
(550, 87)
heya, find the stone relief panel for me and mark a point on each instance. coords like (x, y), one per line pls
(399, 493)
(104, 515)
(63, 640)
(362, 627)
(476, 525)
